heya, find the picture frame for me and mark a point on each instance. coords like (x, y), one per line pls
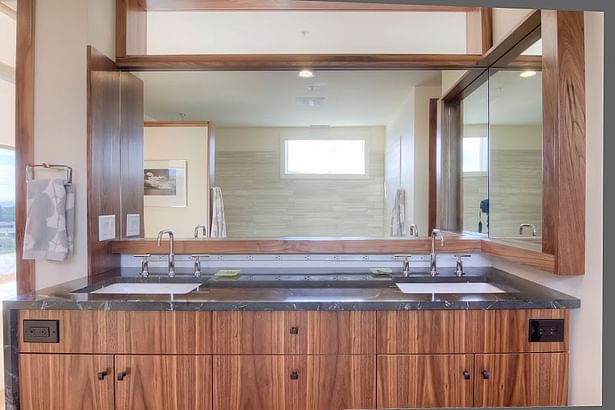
(164, 183)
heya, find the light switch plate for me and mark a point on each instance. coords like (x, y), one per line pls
(106, 227)
(133, 224)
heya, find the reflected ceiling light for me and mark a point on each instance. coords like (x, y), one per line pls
(527, 74)
(306, 73)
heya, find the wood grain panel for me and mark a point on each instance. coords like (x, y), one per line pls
(97, 331)
(130, 27)
(350, 332)
(529, 257)
(563, 79)
(449, 167)
(164, 382)
(433, 165)
(24, 136)
(425, 381)
(322, 382)
(479, 31)
(265, 62)
(433, 331)
(507, 331)
(131, 130)
(465, 244)
(521, 380)
(311, 5)
(103, 156)
(62, 382)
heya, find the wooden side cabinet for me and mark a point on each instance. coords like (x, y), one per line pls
(66, 382)
(521, 380)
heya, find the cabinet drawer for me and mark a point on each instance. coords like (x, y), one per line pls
(521, 380)
(297, 382)
(163, 382)
(98, 331)
(63, 382)
(428, 331)
(425, 381)
(348, 332)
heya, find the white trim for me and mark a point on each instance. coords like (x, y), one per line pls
(4, 9)
(7, 73)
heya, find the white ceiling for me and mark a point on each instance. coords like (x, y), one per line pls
(236, 98)
(512, 100)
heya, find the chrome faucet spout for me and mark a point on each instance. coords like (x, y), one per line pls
(171, 248)
(414, 230)
(531, 226)
(199, 228)
(435, 234)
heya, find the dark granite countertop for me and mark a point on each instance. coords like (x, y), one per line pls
(310, 291)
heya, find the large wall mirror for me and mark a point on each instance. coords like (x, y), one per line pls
(277, 154)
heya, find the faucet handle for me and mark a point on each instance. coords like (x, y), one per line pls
(197, 264)
(402, 255)
(144, 263)
(459, 264)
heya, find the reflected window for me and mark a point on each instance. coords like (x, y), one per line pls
(324, 157)
(475, 154)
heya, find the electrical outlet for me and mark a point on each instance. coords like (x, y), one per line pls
(106, 227)
(133, 225)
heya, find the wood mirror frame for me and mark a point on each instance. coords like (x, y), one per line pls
(564, 129)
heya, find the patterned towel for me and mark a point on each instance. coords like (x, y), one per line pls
(218, 223)
(398, 214)
(50, 220)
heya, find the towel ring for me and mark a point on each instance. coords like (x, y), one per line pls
(30, 170)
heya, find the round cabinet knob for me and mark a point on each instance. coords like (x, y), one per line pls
(466, 375)
(121, 376)
(294, 375)
(102, 375)
(486, 374)
(294, 330)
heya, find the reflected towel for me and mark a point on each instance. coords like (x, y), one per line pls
(50, 219)
(218, 223)
(398, 217)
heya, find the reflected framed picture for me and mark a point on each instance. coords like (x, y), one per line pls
(164, 183)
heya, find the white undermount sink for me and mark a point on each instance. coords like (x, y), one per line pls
(148, 288)
(466, 287)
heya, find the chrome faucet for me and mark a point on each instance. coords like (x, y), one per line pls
(523, 226)
(406, 264)
(435, 234)
(200, 227)
(196, 266)
(414, 230)
(459, 264)
(171, 249)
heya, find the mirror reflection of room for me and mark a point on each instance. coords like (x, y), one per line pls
(320, 154)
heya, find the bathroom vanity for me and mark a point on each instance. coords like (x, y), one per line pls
(282, 342)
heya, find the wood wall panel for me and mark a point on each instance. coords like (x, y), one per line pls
(103, 157)
(97, 331)
(563, 78)
(529, 257)
(131, 131)
(454, 243)
(521, 380)
(65, 382)
(425, 381)
(258, 332)
(433, 165)
(24, 136)
(449, 167)
(131, 27)
(163, 382)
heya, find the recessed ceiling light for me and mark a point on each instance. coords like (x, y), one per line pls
(527, 74)
(306, 73)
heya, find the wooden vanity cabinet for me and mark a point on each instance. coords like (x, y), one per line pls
(294, 360)
(66, 382)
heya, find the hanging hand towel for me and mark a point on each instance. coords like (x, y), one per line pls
(218, 223)
(49, 220)
(398, 217)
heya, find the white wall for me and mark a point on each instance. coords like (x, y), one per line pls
(283, 32)
(586, 322)
(504, 20)
(179, 143)
(63, 31)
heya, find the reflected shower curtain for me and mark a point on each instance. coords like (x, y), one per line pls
(218, 223)
(398, 217)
